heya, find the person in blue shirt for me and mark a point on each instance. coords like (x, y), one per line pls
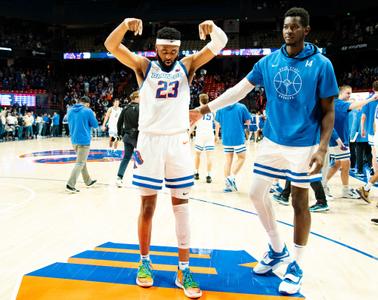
(254, 126)
(367, 123)
(363, 149)
(300, 86)
(364, 190)
(231, 120)
(55, 123)
(80, 121)
(339, 143)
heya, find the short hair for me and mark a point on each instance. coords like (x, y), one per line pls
(344, 87)
(134, 95)
(84, 99)
(116, 99)
(375, 85)
(299, 12)
(169, 33)
(204, 98)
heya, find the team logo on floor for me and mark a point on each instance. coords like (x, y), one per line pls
(69, 156)
(109, 271)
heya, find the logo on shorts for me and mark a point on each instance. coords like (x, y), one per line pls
(287, 82)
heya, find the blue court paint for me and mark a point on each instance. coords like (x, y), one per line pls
(230, 277)
(69, 156)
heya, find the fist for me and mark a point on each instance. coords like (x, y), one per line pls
(135, 25)
(205, 28)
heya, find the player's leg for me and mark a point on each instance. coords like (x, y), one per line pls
(179, 178)
(128, 152)
(148, 177)
(209, 150)
(268, 165)
(299, 160)
(82, 155)
(147, 209)
(209, 165)
(199, 147)
(292, 280)
(239, 162)
(227, 170)
(347, 192)
(197, 161)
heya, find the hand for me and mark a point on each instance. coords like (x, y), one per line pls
(194, 116)
(135, 25)
(341, 144)
(363, 133)
(205, 28)
(316, 162)
(216, 139)
(103, 128)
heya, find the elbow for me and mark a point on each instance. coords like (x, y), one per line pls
(108, 46)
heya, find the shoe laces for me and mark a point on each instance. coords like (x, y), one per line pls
(188, 280)
(294, 269)
(144, 270)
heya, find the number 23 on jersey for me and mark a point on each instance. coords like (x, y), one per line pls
(167, 89)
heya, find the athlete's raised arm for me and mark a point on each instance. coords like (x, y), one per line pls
(114, 45)
(217, 43)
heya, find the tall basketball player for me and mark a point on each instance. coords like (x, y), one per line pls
(111, 118)
(163, 148)
(300, 85)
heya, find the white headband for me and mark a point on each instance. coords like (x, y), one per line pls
(168, 42)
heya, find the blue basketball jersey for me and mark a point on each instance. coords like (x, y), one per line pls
(231, 120)
(294, 87)
(341, 123)
(369, 111)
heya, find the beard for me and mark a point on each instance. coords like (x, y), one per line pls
(165, 67)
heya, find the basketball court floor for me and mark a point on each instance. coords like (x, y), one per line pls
(56, 245)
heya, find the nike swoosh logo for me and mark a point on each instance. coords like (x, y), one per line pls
(185, 194)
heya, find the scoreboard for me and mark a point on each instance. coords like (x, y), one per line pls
(11, 99)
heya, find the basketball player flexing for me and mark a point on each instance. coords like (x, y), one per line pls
(300, 85)
(163, 142)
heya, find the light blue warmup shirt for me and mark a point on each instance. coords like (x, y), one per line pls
(231, 119)
(294, 87)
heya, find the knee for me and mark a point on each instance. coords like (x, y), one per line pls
(147, 210)
(299, 202)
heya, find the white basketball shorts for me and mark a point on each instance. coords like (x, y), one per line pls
(165, 158)
(284, 162)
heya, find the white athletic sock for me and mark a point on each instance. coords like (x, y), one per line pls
(298, 253)
(275, 241)
(196, 171)
(183, 265)
(345, 188)
(145, 257)
(209, 174)
(368, 186)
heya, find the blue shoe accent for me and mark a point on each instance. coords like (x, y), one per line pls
(318, 207)
(227, 190)
(271, 261)
(292, 281)
(280, 199)
(231, 184)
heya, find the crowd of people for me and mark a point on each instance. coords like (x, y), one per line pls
(23, 79)
(22, 125)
